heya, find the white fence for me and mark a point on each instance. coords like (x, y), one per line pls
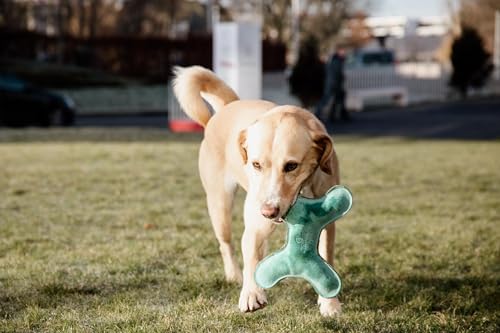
(423, 82)
(120, 100)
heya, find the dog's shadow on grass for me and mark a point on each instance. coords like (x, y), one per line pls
(414, 293)
(129, 285)
(58, 293)
(460, 295)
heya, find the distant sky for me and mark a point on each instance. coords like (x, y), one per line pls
(412, 8)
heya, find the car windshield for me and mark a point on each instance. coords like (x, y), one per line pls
(10, 82)
(378, 58)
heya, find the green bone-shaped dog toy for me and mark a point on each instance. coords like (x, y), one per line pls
(299, 257)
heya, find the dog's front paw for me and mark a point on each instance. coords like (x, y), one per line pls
(329, 307)
(252, 299)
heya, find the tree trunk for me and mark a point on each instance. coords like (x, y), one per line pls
(93, 18)
(81, 18)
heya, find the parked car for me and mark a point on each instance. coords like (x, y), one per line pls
(370, 58)
(24, 104)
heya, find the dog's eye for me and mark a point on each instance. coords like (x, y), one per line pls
(257, 166)
(290, 166)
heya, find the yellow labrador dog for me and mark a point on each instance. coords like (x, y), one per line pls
(274, 153)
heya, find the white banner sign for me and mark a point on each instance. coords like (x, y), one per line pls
(238, 57)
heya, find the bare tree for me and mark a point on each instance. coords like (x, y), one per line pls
(81, 17)
(321, 19)
(276, 19)
(158, 17)
(324, 19)
(13, 15)
(480, 14)
(93, 17)
(359, 33)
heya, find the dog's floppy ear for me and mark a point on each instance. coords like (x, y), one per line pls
(242, 145)
(324, 144)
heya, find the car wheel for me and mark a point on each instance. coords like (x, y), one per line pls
(56, 118)
(68, 118)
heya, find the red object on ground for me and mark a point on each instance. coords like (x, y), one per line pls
(184, 125)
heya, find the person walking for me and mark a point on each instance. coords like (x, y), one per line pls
(308, 75)
(334, 90)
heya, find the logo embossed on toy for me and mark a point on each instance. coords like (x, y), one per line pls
(305, 242)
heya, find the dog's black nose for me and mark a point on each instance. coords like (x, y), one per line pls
(269, 211)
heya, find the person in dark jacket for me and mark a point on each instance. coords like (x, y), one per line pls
(307, 78)
(333, 90)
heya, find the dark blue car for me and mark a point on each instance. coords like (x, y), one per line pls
(23, 104)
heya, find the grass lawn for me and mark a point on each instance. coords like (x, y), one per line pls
(107, 231)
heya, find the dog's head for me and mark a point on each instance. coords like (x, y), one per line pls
(281, 151)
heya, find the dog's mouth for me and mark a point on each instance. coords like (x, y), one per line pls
(281, 219)
(278, 220)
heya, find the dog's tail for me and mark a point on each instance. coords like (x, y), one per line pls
(193, 83)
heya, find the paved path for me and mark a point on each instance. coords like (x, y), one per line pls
(469, 120)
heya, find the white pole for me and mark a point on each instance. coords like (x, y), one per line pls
(296, 8)
(209, 12)
(496, 50)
